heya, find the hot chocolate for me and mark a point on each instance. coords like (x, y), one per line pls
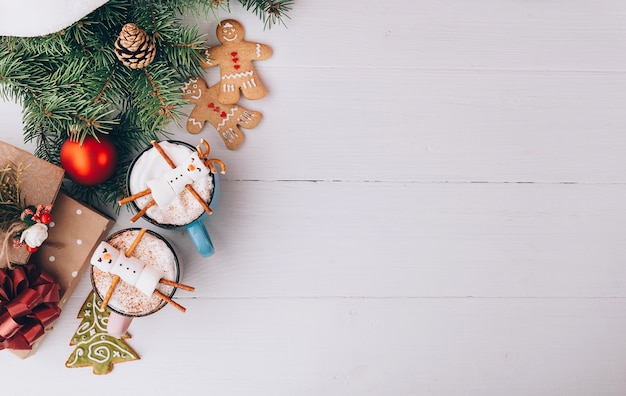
(153, 251)
(150, 166)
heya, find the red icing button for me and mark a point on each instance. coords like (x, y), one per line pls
(235, 60)
(223, 115)
(211, 105)
(236, 67)
(233, 54)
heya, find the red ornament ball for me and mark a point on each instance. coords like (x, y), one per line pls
(31, 249)
(91, 163)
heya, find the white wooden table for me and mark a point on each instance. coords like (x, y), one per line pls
(434, 203)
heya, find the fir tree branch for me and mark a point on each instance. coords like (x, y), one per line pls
(89, 122)
(165, 108)
(11, 201)
(155, 31)
(270, 12)
(47, 146)
(98, 97)
(71, 81)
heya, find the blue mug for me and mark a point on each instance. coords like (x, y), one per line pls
(195, 228)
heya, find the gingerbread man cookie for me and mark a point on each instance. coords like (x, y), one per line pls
(225, 118)
(235, 57)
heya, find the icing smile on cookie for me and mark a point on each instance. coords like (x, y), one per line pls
(230, 33)
(193, 83)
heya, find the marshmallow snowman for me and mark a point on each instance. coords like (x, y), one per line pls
(166, 188)
(104, 257)
(130, 269)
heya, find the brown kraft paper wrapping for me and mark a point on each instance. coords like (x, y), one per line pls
(41, 182)
(76, 231)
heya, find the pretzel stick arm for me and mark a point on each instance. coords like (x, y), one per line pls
(105, 300)
(169, 300)
(198, 198)
(133, 197)
(176, 284)
(166, 157)
(142, 211)
(133, 246)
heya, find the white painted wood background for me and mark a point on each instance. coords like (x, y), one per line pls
(433, 204)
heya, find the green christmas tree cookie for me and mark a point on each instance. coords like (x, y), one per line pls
(94, 346)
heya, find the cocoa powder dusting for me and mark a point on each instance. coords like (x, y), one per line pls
(126, 299)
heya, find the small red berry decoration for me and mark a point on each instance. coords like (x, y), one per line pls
(45, 218)
(91, 163)
(24, 225)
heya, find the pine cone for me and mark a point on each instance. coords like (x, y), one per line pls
(134, 48)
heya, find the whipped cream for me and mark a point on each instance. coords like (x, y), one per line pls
(150, 165)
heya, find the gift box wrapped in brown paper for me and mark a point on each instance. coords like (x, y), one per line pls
(75, 231)
(40, 184)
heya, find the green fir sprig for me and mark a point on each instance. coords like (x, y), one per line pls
(70, 83)
(11, 200)
(270, 12)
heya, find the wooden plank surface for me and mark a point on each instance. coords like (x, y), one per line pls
(362, 346)
(434, 203)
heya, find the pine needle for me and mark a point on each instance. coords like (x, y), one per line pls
(11, 204)
(71, 82)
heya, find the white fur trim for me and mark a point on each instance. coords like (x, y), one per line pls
(30, 18)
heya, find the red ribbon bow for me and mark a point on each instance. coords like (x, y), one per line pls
(29, 303)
